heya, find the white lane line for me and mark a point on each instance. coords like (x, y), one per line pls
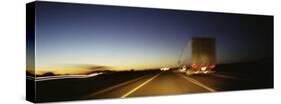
(115, 86)
(138, 87)
(197, 83)
(225, 76)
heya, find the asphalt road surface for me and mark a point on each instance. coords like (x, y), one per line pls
(166, 83)
(243, 76)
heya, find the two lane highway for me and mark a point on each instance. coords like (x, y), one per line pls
(162, 83)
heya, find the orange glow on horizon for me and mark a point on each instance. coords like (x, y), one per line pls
(76, 70)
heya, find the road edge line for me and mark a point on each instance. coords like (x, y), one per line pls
(225, 76)
(115, 86)
(138, 87)
(197, 83)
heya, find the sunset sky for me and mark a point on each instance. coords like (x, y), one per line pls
(71, 36)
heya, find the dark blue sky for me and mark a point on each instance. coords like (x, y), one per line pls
(141, 38)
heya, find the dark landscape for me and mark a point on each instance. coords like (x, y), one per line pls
(229, 77)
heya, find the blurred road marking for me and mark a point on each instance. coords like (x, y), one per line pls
(197, 83)
(62, 77)
(138, 87)
(115, 86)
(30, 77)
(224, 76)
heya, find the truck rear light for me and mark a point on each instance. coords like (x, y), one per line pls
(194, 66)
(212, 66)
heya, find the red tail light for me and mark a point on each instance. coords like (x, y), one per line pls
(194, 66)
(212, 66)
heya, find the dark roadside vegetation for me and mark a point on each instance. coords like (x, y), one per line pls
(259, 74)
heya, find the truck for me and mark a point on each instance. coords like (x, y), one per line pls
(203, 56)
